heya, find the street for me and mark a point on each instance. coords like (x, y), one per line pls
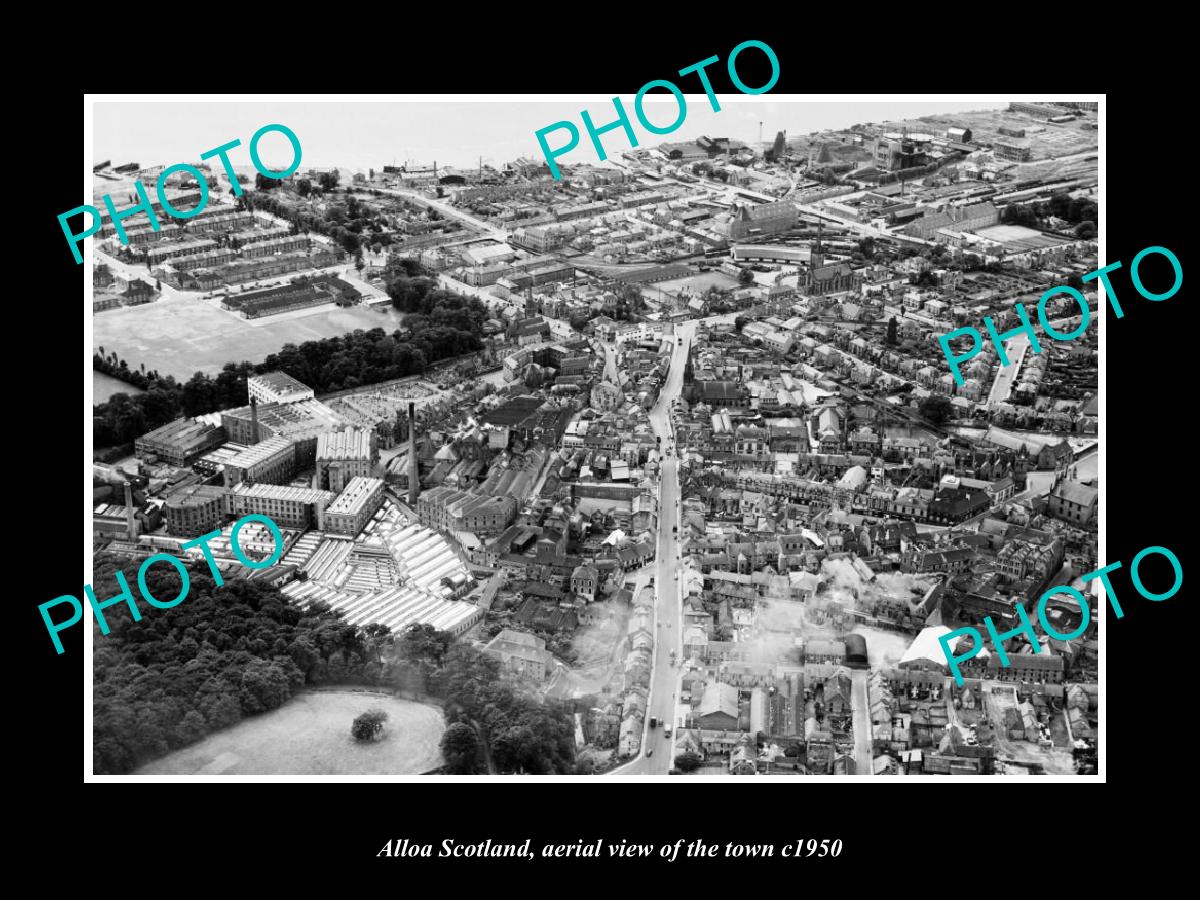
(863, 735)
(668, 607)
(1007, 375)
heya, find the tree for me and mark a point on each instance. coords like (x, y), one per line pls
(304, 187)
(359, 262)
(745, 277)
(1085, 231)
(369, 725)
(891, 331)
(263, 183)
(741, 322)
(328, 180)
(688, 762)
(424, 643)
(936, 409)
(460, 749)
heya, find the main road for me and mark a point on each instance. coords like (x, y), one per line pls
(663, 702)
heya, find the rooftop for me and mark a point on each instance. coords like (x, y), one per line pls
(355, 495)
(349, 443)
(283, 492)
(280, 382)
(259, 452)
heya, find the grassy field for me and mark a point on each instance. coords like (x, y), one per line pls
(699, 282)
(310, 735)
(181, 337)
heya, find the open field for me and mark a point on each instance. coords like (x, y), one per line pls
(182, 336)
(310, 735)
(700, 282)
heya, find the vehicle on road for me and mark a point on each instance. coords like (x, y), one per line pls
(649, 751)
(666, 731)
(653, 722)
(676, 574)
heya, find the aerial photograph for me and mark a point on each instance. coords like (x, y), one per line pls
(655, 468)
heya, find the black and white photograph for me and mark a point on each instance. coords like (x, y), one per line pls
(443, 438)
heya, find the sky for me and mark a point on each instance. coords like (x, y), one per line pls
(362, 135)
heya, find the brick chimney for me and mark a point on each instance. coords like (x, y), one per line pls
(130, 521)
(254, 420)
(414, 471)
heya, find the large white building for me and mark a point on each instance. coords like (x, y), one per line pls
(277, 387)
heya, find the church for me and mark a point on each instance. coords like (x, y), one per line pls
(822, 278)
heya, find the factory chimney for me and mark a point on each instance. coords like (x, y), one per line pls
(414, 476)
(253, 420)
(130, 522)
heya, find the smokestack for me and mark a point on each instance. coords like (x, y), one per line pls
(130, 522)
(254, 420)
(414, 478)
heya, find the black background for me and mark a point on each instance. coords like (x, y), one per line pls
(1148, 409)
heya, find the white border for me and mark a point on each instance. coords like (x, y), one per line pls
(88, 119)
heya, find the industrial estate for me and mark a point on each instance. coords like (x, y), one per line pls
(654, 468)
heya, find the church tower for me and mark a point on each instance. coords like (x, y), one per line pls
(816, 257)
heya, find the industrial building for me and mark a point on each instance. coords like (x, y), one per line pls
(766, 218)
(449, 509)
(344, 455)
(782, 253)
(302, 422)
(287, 505)
(195, 511)
(277, 387)
(1012, 149)
(896, 151)
(353, 508)
(179, 443)
(272, 461)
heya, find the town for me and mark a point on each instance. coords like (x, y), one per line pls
(652, 468)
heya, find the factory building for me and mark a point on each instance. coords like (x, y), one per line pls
(277, 387)
(344, 455)
(286, 505)
(301, 422)
(349, 513)
(766, 218)
(895, 151)
(179, 443)
(195, 511)
(272, 461)
(1012, 149)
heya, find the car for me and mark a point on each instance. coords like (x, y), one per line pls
(649, 751)
(676, 574)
